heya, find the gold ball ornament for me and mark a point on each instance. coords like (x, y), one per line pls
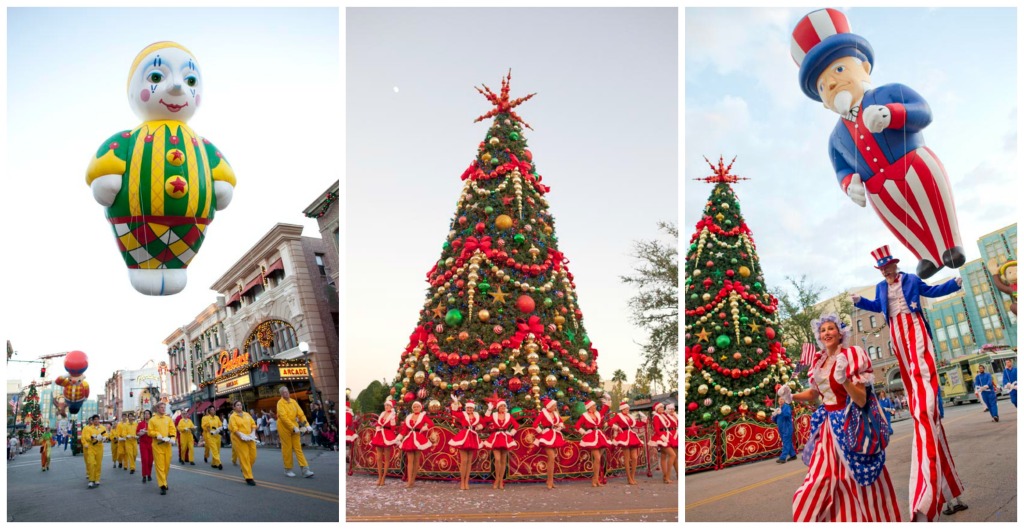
(503, 222)
(533, 369)
(483, 315)
(487, 378)
(760, 415)
(744, 271)
(409, 371)
(532, 357)
(419, 377)
(502, 367)
(706, 297)
(702, 389)
(444, 385)
(736, 356)
(464, 385)
(494, 372)
(535, 380)
(434, 406)
(494, 141)
(583, 354)
(551, 380)
(747, 340)
(725, 409)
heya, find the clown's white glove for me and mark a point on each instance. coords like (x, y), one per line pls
(877, 118)
(855, 298)
(223, 191)
(856, 191)
(105, 189)
(841, 364)
(295, 429)
(776, 411)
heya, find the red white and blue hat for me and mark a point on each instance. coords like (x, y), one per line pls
(820, 38)
(883, 257)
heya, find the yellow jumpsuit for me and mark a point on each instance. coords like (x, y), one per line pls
(212, 440)
(115, 447)
(290, 416)
(245, 450)
(93, 451)
(185, 427)
(161, 426)
(131, 444)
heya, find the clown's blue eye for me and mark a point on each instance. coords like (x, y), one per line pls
(155, 77)
(191, 80)
(840, 69)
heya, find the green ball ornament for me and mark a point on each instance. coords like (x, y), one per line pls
(744, 320)
(733, 260)
(519, 238)
(706, 417)
(488, 210)
(693, 247)
(560, 394)
(694, 297)
(722, 341)
(723, 424)
(514, 136)
(757, 285)
(586, 342)
(451, 300)
(548, 302)
(453, 317)
(484, 287)
(446, 245)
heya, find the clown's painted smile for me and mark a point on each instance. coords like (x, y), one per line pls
(173, 108)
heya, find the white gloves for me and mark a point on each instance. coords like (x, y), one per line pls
(855, 298)
(490, 405)
(959, 281)
(776, 411)
(856, 191)
(223, 191)
(120, 438)
(295, 429)
(841, 364)
(876, 118)
(105, 188)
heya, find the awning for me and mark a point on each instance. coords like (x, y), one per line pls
(276, 265)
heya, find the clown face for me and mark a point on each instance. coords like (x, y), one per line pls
(165, 84)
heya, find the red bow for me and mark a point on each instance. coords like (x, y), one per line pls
(469, 170)
(472, 244)
(419, 335)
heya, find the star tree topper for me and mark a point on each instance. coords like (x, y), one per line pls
(501, 103)
(721, 172)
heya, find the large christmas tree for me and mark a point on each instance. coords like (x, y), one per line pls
(734, 356)
(501, 317)
(33, 415)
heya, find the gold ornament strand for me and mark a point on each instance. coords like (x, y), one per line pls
(486, 192)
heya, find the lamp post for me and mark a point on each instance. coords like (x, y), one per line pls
(304, 349)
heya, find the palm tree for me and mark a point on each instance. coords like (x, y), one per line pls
(617, 378)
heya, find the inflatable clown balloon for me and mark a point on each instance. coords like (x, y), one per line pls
(76, 389)
(877, 149)
(161, 182)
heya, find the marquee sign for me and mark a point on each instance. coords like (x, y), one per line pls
(231, 360)
(233, 384)
(294, 372)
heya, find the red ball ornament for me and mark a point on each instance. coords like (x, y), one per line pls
(692, 406)
(736, 373)
(466, 359)
(422, 393)
(709, 264)
(525, 303)
(476, 357)
(769, 332)
(408, 397)
(495, 348)
(514, 384)
(480, 227)
(463, 220)
(730, 273)
(453, 359)
(442, 357)
(484, 355)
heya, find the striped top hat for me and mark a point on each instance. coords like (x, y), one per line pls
(883, 257)
(820, 38)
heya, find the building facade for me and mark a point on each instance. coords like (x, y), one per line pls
(115, 399)
(188, 347)
(326, 212)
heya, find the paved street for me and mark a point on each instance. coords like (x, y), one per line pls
(985, 454)
(570, 501)
(195, 493)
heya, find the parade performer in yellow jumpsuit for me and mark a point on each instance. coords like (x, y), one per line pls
(243, 440)
(161, 429)
(131, 442)
(115, 447)
(291, 424)
(122, 442)
(211, 435)
(185, 429)
(93, 435)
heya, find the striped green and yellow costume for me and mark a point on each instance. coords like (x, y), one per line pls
(166, 201)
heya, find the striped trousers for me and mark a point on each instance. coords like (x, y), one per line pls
(933, 476)
(914, 201)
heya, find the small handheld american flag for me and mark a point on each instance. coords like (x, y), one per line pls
(807, 354)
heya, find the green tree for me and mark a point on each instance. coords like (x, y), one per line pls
(734, 348)
(798, 307)
(655, 307)
(617, 393)
(501, 315)
(371, 399)
(641, 384)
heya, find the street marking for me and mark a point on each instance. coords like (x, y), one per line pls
(488, 516)
(733, 492)
(315, 494)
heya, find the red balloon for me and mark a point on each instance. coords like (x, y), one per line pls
(76, 362)
(525, 303)
(514, 384)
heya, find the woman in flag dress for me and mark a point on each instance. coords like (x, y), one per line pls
(664, 428)
(384, 437)
(549, 426)
(502, 440)
(415, 440)
(622, 424)
(841, 485)
(467, 441)
(589, 424)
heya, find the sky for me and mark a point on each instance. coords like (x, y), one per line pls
(270, 104)
(743, 99)
(605, 140)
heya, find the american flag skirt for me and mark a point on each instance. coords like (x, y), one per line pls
(830, 492)
(933, 476)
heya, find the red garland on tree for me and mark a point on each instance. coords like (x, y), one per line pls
(734, 357)
(501, 318)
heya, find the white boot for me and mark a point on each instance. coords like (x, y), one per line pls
(158, 282)
(306, 472)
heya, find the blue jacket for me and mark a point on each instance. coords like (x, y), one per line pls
(983, 379)
(1009, 375)
(913, 289)
(895, 142)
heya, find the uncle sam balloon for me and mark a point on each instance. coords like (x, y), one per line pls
(161, 182)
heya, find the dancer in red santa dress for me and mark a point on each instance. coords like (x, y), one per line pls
(350, 435)
(384, 437)
(467, 441)
(622, 424)
(664, 429)
(549, 428)
(841, 484)
(502, 440)
(415, 440)
(589, 424)
(673, 437)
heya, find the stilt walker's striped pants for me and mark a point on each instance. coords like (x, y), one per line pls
(933, 476)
